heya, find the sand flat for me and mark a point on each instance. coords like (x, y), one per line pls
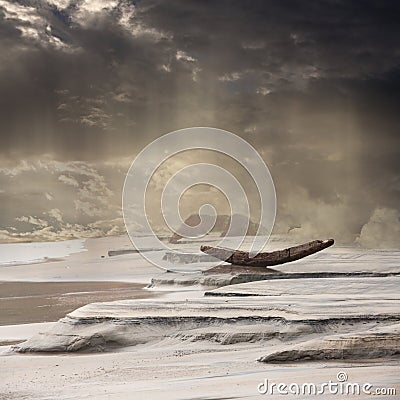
(28, 302)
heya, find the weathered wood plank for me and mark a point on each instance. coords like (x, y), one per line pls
(242, 258)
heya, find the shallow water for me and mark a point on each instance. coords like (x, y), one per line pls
(36, 252)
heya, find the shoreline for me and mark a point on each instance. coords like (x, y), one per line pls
(172, 342)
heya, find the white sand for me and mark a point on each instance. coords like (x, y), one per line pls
(167, 371)
(86, 266)
(10, 333)
(171, 368)
(33, 253)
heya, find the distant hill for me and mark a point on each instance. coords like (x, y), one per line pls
(222, 224)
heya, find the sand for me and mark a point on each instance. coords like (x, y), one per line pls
(171, 368)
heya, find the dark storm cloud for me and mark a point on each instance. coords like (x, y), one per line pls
(313, 85)
(176, 63)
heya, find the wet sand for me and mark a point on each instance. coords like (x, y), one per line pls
(29, 302)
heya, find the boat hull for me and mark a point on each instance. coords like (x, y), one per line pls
(269, 259)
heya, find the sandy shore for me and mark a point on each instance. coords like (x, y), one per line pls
(173, 367)
(175, 371)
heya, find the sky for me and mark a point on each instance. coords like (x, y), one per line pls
(314, 86)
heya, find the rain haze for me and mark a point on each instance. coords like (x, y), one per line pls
(313, 86)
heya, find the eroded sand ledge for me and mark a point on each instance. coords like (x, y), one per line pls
(330, 318)
(181, 352)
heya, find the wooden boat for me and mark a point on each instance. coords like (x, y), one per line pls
(269, 259)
